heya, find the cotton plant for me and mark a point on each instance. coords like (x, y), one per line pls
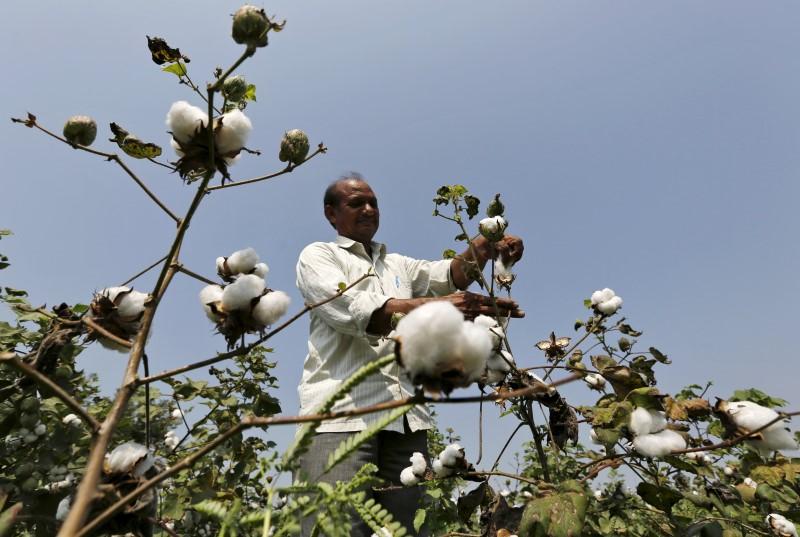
(244, 304)
(651, 438)
(744, 417)
(190, 136)
(441, 350)
(119, 311)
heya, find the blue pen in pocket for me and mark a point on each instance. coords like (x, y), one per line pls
(397, 281)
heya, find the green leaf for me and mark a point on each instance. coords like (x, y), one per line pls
(578, 324)
(178, 69)
(558, 515)
(461, 237)
(628, 330)
(419, 519)
(752, 394)
(473, 205)
(648, 398)
(660, 356)
(15, 292)
(5, 233)
(250, 94)
(661, 497)
(448, 254)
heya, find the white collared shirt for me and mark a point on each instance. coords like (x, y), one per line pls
(338, 342)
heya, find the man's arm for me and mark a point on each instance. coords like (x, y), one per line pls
(509, 248)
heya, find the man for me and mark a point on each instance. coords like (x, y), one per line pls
(351, 330)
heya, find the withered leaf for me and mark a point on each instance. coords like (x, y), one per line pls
(163, 53)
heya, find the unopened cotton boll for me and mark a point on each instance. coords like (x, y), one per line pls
(271, 307)
(779, 525)
(233, 133)
(239, 294)
(659, 444)
(210, 294)
(184, 120)
(242, 261)
(646, 421)
(408, 478)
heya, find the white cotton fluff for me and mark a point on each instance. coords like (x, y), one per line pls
(728, 470)
(210, 294)
(232, 135)
(645, 421)
(593, 436)
(63, 508)
(71, 419)
(130, 457)
(242, 261)
(659, 444)
(598, 495)
(595, 381)
(606, 301)
(171, 439)
(440, 470)
(500, 362)
(271, 307)
(436, 338)
(261, 270)
(408, 478)
(750, 483)
(493, 227)
(491, 325)
(177, 414)
(780, 525)
(132, 304)
(183, 120)
(418, 463)
(451, 455)
(176, 146)
(751, 416)
(220, 265)
(239, 294)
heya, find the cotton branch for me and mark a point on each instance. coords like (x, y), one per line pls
(254, 421)
(31, 123)
(241, 351)
(288, 169)
(43, 380)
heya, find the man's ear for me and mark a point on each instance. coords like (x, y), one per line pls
(330, 216)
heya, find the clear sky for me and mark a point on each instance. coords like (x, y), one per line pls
(651, 147)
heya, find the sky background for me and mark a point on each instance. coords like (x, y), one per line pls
(648, 147)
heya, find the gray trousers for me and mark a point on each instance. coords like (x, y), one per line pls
(390, 452)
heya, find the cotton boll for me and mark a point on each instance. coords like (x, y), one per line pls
(602, 295)
(595, 381)
(171, 440)
(407, 477)
(177, 414)
(659, 444)
(183, 120)
(239, 294)
(63, 508)
(598, 495)
(779, 525)
(232, 134)
(129, 457)
(451, 455)
(131, 306)
(271, 307)
(492, 326)
(211, 294)
(261, 270)
(728, 470)
(176, 146)
(427, 333)
(221, 265)
(418, 464)
(609, 307)
(40, 429)
(500, 362)
(112, 292)
(440, 470)
(71, 419)
(475, 347)
(493, 228)
(750, 416)
(645, 421)
(242, 261)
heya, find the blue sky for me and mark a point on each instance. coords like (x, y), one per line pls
(648, 147)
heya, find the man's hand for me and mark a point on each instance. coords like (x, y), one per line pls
(473, 304)
(509, 249)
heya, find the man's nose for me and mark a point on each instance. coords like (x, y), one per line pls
(369, 208)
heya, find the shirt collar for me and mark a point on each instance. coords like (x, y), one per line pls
(350, 244)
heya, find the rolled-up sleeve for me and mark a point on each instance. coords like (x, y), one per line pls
(319, 274)
(430, 278)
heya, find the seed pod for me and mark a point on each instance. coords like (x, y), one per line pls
(493, 228)
(294, 147)
(234, 88)
(80, 130)
(250, 26)
(495, 207)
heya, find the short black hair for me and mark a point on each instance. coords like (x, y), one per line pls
(332, 192)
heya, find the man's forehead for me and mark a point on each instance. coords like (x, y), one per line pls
(355, 187)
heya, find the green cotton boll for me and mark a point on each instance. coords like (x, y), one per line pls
(294, 147)
(250, 26)
(234, 88)
(495, 207)
(80, 130)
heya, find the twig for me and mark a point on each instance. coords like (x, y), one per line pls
(180, 268)
(288, 169)
(43, 380)
(167, 166)
(508, 442)
(143, 272)
(88, 321)
(246, 349)
(31, 122)
(503, 474)
(480, 430)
